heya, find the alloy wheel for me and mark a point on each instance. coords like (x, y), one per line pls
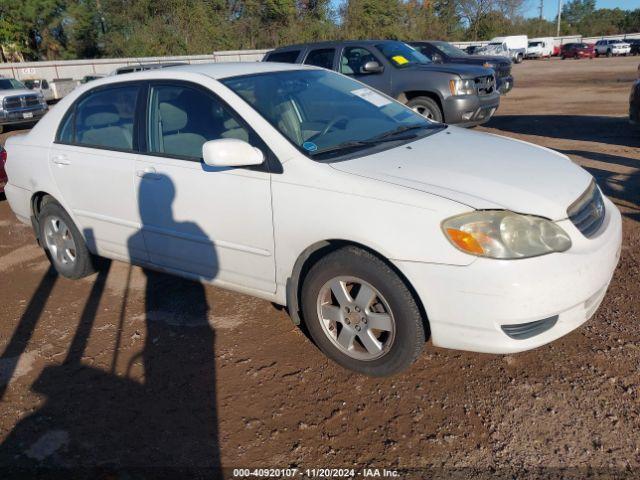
(424, 111)
(60, 241)
(356, 318)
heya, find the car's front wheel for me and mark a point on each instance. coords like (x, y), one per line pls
(427, 107)
(361, 314)
(62, 242)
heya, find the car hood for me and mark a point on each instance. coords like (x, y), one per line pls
(16, 91)
(480, 170)
(481, 59)
(466, 71)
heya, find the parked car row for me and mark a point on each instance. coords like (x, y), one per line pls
(456, 93)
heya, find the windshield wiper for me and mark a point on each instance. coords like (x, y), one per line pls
(384, 137)
(392, 133)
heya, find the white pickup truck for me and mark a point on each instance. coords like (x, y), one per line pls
(513, 47)
(52, 90)
(19, 105)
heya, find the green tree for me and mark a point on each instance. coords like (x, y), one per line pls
(372, 19)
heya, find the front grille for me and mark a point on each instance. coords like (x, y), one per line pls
(485, 85)
(503, 72)
(18, 102)
(522, 331)
(588, 211)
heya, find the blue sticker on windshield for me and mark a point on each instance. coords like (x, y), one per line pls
(309, 146)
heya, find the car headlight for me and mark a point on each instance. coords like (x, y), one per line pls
(462, 87)
(505, 235)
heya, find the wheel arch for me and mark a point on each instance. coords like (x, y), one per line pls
(38, 200)
(318, 250)
(405, 97)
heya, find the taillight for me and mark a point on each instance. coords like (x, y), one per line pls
(3, 157)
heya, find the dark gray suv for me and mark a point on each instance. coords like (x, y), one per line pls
(465, 95)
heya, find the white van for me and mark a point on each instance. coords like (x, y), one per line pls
(540, 47)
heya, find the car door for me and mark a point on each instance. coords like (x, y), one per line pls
(213, 223)
(352, 61)
(92, 162)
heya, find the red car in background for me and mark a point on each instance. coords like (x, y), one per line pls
(3, 173)
(578, 50)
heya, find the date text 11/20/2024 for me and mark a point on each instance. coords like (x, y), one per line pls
(246, 473)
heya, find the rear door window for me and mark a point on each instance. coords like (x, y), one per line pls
(290, 56)
(103, 118)
(322, 57)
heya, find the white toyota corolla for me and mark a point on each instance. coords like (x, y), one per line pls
(375, 226)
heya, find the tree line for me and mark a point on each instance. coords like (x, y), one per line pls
(68, 29)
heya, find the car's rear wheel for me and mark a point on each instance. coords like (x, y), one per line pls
(427, 107)
(361, 314)
(62, 242)
(609, 53)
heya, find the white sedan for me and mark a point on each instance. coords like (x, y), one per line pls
(376, 227)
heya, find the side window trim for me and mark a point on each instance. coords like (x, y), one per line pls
(271, 164)
(73, 110)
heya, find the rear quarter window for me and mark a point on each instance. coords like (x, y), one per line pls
(290, 56)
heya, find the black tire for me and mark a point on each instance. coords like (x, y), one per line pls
(563, 57)
(519, 58)
(609, 54)
(427, 107)
(83, 263)
(409, 324)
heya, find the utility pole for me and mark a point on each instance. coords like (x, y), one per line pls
(559, 16)
(541, 8)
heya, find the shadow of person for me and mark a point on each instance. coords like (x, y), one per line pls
(163, 422)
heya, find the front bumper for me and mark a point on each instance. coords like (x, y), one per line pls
(24, 115)
(470, 110)
(621, 51)
(468, 306)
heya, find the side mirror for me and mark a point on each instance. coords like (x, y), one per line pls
(230, 152)
(372, 67)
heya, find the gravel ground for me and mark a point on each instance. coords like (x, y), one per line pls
(141, 374)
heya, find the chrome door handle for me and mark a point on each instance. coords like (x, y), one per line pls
(148, 173)
(60, 160)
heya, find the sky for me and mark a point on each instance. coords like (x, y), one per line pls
(551, 6)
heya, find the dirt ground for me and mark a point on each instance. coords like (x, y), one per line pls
(131, 374)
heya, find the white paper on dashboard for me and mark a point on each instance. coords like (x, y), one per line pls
(371, 97)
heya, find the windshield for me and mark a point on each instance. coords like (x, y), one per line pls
(325, 114)
(535, 44)
(10, 84)
(401, 55)
(450, 50)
